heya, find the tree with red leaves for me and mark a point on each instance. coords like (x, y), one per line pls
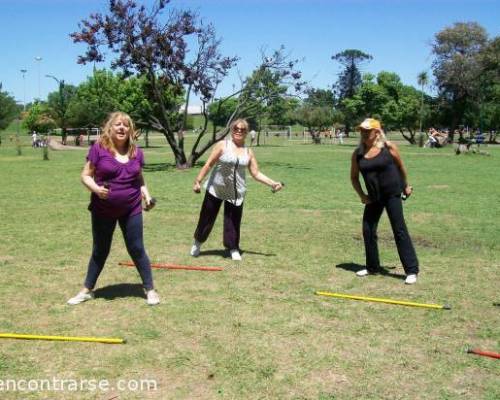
(179, 56)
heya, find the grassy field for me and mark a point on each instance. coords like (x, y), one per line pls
(256, 330)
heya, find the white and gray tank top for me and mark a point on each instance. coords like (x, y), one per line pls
(227, 180)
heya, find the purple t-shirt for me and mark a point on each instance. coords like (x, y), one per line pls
(122, 180)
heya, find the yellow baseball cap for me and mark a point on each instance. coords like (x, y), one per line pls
(369, 124)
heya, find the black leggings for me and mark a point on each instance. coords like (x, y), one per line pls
(371, 216)
(102, 234)
(232, 221)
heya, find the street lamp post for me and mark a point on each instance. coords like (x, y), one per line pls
(38, 59)
(23, 71)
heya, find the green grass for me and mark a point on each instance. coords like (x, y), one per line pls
(256, 330)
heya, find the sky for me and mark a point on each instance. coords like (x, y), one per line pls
(397, 33)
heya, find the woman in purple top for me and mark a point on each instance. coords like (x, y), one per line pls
(113, 173)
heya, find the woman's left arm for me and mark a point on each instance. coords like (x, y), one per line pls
(399, 162)
(253, 167)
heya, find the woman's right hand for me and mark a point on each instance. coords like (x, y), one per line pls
(196, 187)
(365, 199)
(102, 192)
(277, 186)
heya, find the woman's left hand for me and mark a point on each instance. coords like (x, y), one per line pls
(408, 190)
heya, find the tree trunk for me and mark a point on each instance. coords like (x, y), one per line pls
(347, 129)
(180, 156)
(180, 161)
(411, 138)
(64, 135)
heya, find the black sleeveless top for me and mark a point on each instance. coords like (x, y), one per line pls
(381, 175)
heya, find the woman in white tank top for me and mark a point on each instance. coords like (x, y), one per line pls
(227, 184)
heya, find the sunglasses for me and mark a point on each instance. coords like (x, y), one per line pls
(238, 129)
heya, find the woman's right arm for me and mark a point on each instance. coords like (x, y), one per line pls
(212, 159)
(355, 180)
(87, 177)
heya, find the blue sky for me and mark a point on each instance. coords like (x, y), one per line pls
(397, 33)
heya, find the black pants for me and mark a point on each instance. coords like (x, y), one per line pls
(102, 234)
(371, 216)
(232, 221)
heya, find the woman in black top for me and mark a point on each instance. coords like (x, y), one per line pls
(384, 175)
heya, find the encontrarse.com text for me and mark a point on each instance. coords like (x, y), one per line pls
(77, 385)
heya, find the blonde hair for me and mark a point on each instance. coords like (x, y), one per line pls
(242, 121)
(106, 140)
(379, 141)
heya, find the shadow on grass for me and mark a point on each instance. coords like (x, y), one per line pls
(353, 267)
(221, 253)
(112, 292)
(225, 253)
(169, 167)
(282, 165)
(159, 167)
(258, 253)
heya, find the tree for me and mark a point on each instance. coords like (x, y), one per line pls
(58, 105)
(320, 98)
(489, 112)
(159, 52)
(404, 105)
(388, 99)
(457, 69)
(8, 109)
(105, 92)
(38, 119)
(95, 98)
(180, 56)
(350, 78)
(316, 119)
(220, 111)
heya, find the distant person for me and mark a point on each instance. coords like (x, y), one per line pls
(34, 139)
(431, 138)
(113, 173)
(385, 178)
(479, 138)
(227, 184)
(341, 136)
(81, 138)
(436, 138)
(253, 136)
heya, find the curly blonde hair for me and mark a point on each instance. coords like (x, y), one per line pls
(106, 139)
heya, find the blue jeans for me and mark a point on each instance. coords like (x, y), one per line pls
(102, 234)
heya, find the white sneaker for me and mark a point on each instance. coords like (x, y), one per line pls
(80, 298)
(153, 298)
(411, 279)
(235, 255)
(363, 272)
(195, 249)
